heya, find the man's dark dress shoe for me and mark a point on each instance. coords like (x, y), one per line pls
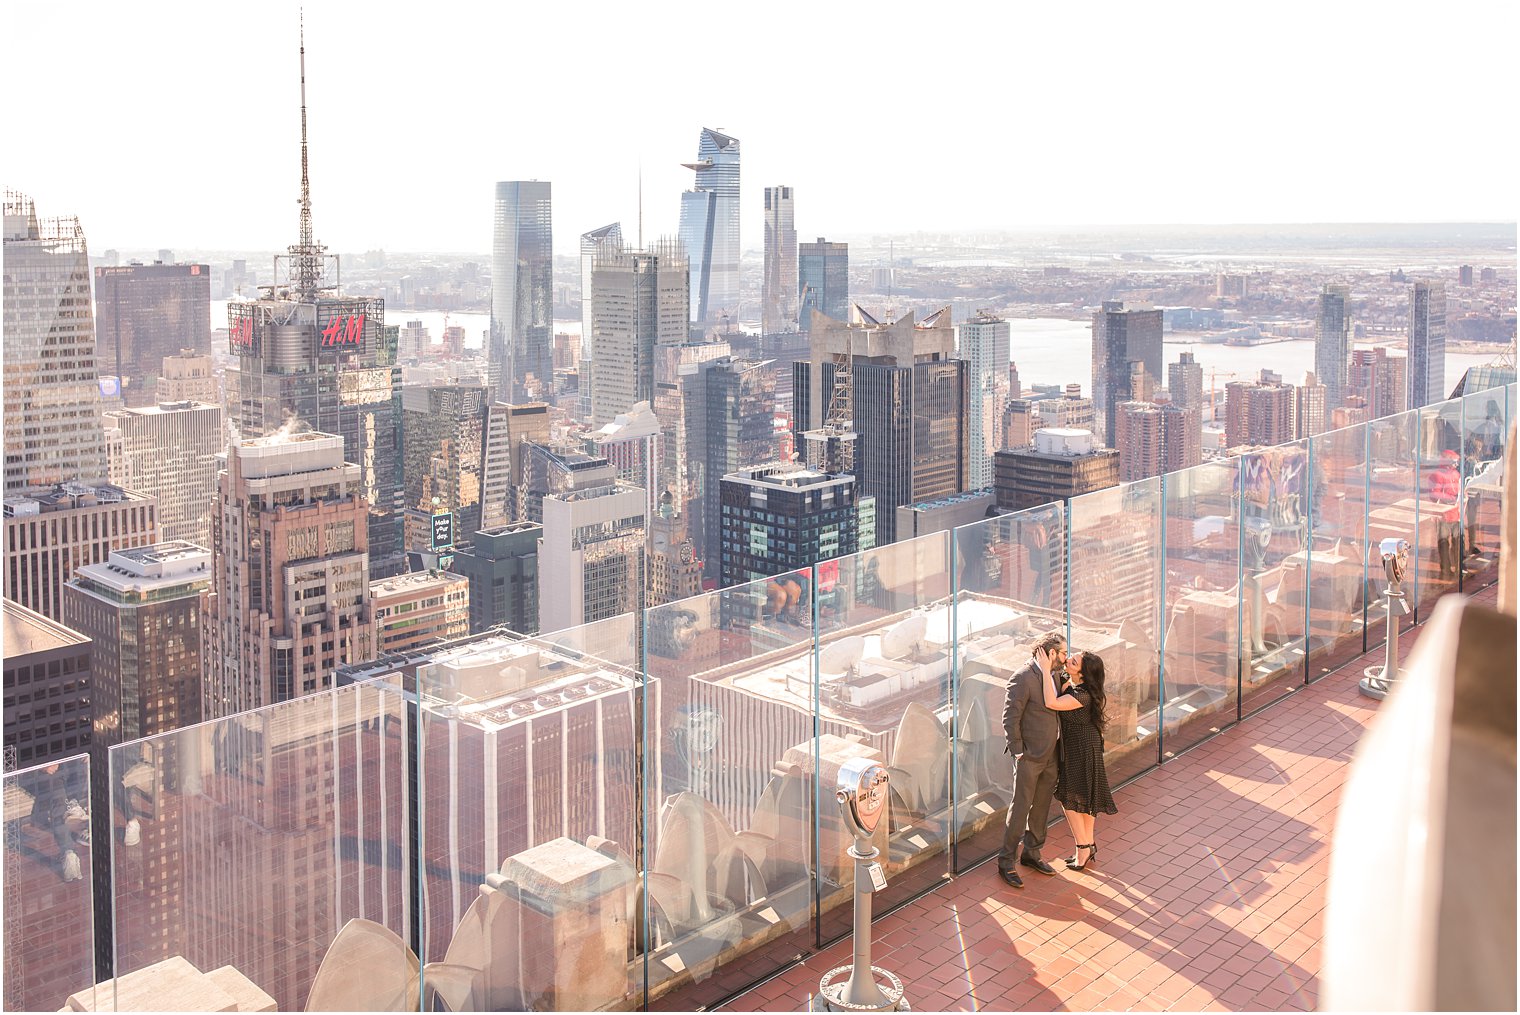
(1037, 864)
(1012, 878)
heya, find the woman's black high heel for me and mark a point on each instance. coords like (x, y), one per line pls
(1071, 865)
(1070, 860)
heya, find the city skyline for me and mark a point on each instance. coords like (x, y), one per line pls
(435, 189)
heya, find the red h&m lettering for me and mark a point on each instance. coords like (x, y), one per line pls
(344, 331)
(242, 332)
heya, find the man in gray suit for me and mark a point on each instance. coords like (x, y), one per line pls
(1032, 731)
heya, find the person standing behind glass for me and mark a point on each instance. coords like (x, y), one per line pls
(1032, 731)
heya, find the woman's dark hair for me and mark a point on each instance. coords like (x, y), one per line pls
(1092, 679)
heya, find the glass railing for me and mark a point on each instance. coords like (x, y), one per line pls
(640, 812)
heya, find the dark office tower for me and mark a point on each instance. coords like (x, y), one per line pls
(1332, 343)
(48, 715)
(1184, 381)
(502, 566)
(308, 357)
(52, 391)
(823, 280)
(144, 312)
(736, 408)
(443, 431)
(1061, 464)
(1378, 379)
(1465, 275)
(779, 518)
(779, 297)
(1427, 343)
(710, 229)
(598, 241)
(905, 399)
(1121, 336)
(521, 348)
(639, 300)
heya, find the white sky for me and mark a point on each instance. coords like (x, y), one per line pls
(176, 125)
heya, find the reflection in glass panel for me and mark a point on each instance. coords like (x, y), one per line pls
(885, 650)
(264, 856)
(1484, 436)
(529, 819)
(1437, 560)
(1010, 589)
(1115, 596)
(1274, 570)
(729, 752)
(1202, 649)
(48, 888)
(1338, 575)
(1392, 511)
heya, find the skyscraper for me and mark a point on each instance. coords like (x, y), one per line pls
(1061, 465)
(983, 343)
(607, 238)
(823, 280)
(48, 535)
(779, 518)
(169, 451)
(1426, 365)
(1184, 380)
(141, 611)
(906, 399)
(779, 294)
(144, 312)
(733, 429)
(1379, 380)
(640, 301)
(1121, 336)
(1332, 342)
(188, 377)
(1309, 413)
(1259, 412)
(1181, 437)
(502, 567)
(521, 348)
(593, 545)
(291, 574)
(52, 394)
(309, 357)
(710, 228)
(444, 432)
(48, 715)
(1139, 441)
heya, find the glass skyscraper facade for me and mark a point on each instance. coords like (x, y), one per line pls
(823, 280)
(710, 228)
(604, 240)
(778, 311)
(1121, 336)
(983, 344)
(1332, 343)
(52, 393)
(145, 312)
(640, 300)
(1427, 344)
(521, 347)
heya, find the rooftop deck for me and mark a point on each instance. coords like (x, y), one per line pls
(1208, 895)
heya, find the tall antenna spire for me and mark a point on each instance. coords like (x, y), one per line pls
(306, 255)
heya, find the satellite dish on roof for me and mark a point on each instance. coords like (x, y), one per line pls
(903, 636)
(841, 655)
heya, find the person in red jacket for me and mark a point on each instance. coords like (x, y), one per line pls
(1445, 487)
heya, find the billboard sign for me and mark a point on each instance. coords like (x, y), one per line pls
(348, 325)
(443, 530)
(242, 334)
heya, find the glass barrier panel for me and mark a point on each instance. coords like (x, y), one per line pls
(885, 650)
(1392, 514)
(1338, 578)
(528, 784)
(1114, 591)
(1438, 563)
(729, 786)
(264, 857)
(1274, 570)
(1202, 602)
(1484, 436)
(1010, 588)
(49, 897)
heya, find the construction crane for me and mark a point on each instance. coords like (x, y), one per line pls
(1229, 375)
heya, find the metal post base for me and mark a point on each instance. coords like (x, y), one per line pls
(1373, 685)
(830, 994)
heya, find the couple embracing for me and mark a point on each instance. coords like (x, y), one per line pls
(1054, 718)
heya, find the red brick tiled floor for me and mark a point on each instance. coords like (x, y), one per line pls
(1209, 893)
